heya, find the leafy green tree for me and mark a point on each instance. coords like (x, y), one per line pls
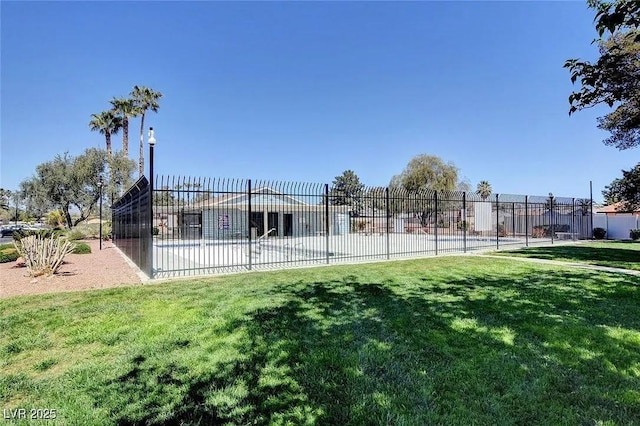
(125, 108)
(69, 183)
(121, 170)
(107, 123)
(145, 99)
(5, 206)
(483, 189)
(347, 190)
(17, 199)
(428, 172)
(625, 189)
(613, 78)
(55, 219)
(463, 185)
(611, 192)
(35, 200)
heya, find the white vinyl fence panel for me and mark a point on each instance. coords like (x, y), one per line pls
(617, 226)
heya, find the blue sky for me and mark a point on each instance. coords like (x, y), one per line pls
(301, 91)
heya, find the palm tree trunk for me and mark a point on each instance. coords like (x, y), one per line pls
(141, 161)
(107, 136)
(125, 136)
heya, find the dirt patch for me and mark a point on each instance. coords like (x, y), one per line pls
(104, 268)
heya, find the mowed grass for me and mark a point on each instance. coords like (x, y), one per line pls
(615, 254)
(452, 340)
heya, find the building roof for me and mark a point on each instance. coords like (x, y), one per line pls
(616, 208)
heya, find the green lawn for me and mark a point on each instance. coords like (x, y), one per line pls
(451, 340)
(625, 255)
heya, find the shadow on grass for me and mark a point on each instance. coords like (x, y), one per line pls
(609, 256)
(485, 349)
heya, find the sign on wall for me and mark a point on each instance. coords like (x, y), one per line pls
(223, 221)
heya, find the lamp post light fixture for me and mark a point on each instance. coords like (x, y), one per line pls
(152, 143)
(100, 183)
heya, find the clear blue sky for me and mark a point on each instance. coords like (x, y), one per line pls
(302, 91)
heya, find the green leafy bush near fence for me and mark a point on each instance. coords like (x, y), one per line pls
(634, 234)
(8, 253)
(81, 248)
(75, 234)
(599, 233)
(43, 233)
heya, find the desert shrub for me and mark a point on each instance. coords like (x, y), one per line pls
(634, 234)
(358, 225)
(42, 233)
(442, 223)
(88, 230)
(81, 248)
(43, 256)
(75, 234)
(599, 233)
(8, 253)
(463, 225)
(106, 230)
(55, 219)
(538, 231)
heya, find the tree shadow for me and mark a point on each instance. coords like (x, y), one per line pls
(603, 255)
(492, 348)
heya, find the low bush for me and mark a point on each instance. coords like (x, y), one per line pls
(43, 233)
(8, 253)
(538, 231)
(106, 231)
(599, 233)
(75, 234)
(81, 248)
(634, 234)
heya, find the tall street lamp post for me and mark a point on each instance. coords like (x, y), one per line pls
(100, 209)
(152, 143)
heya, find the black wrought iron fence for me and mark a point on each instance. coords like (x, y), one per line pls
(205, 226)
(131, 225)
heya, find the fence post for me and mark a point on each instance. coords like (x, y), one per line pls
(386, 202)
(249, 222)
(573, 219)
(435, 232)
(497, 222)
(551, 217)
(513, 220)
(326, 217)
(591, 210)
(526, 221)
(464, 222)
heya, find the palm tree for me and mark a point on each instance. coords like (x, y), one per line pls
(107, 123)
(484, 189)
(125, 108)
(145, 99)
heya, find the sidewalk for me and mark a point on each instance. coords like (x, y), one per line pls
(566, 264)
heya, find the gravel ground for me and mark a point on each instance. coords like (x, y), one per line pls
(104, 268)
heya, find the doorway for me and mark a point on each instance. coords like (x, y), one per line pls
(287, 224)
(257, 222)
(272, 221)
